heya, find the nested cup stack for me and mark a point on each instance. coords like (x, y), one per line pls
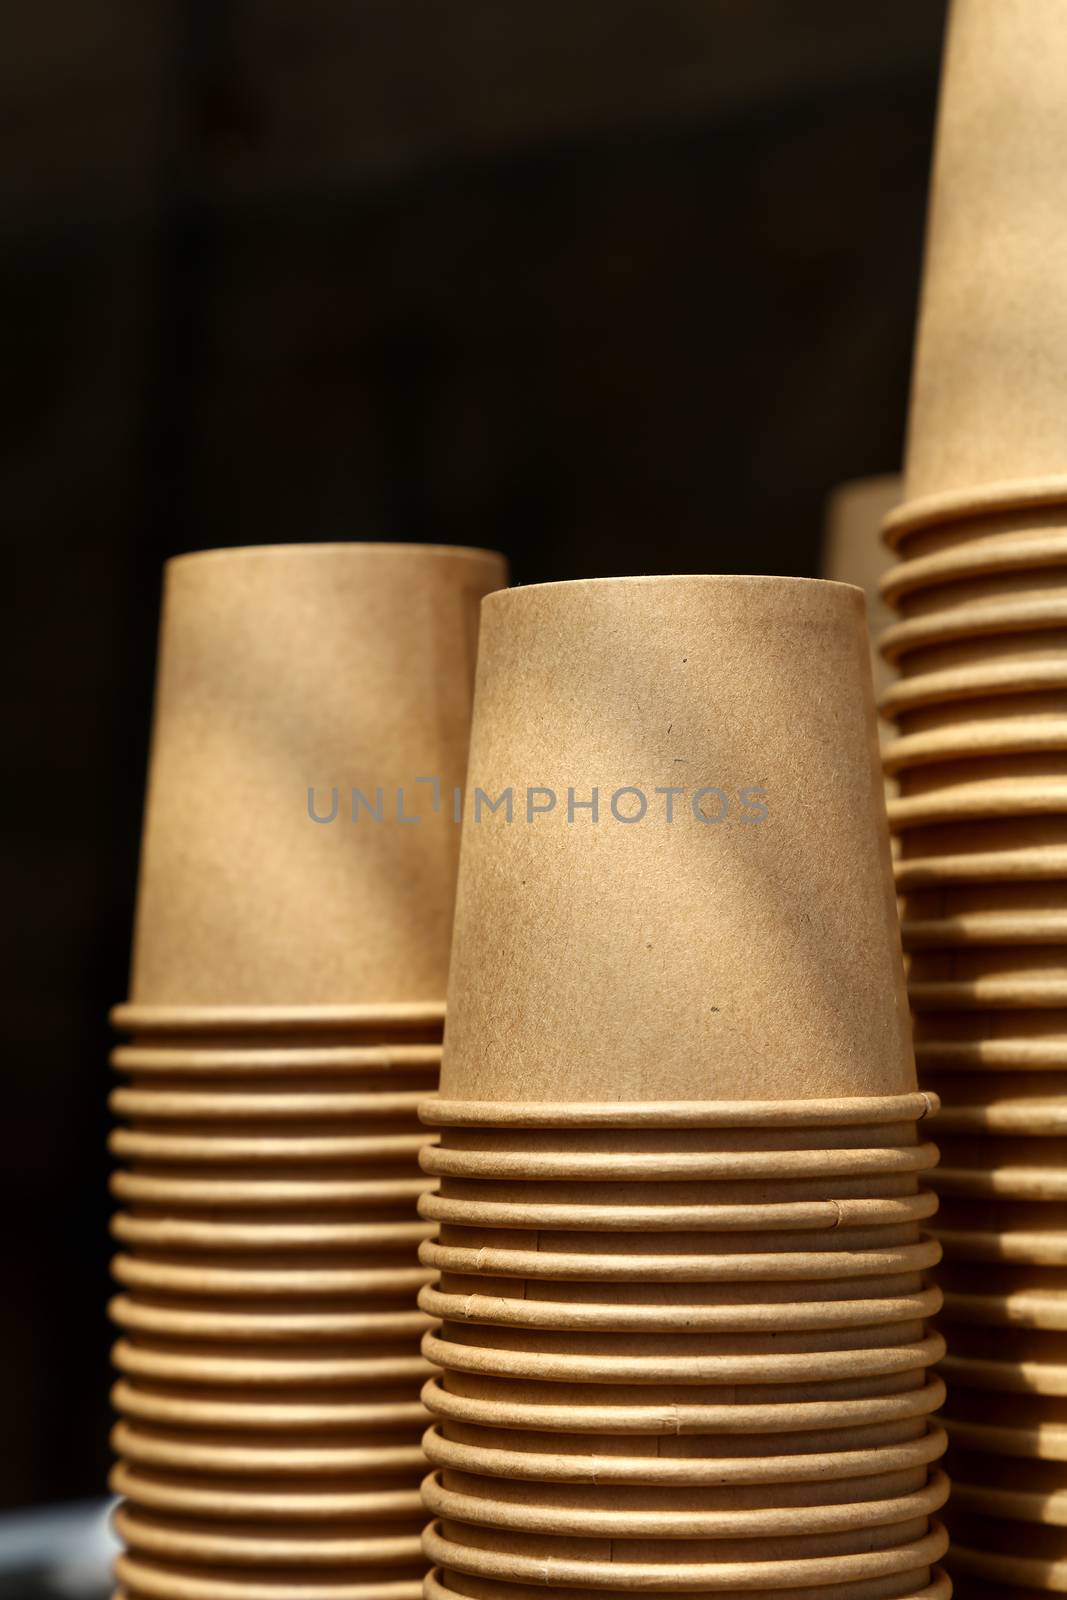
(980, 756)
(684, 1225)
(285, 1019)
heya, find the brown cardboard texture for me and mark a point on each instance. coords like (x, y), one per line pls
(284, 669)
(706, 958)
(986, 405)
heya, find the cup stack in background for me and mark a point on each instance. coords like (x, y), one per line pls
(285, 1018)
(683, 1223)
(980, 754)
(852, 552)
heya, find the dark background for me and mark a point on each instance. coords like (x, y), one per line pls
(612, 286)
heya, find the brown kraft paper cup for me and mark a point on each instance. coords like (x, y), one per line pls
(284, 668)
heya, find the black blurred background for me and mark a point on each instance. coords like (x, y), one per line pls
(615, 286)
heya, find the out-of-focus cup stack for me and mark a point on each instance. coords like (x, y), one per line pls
(980, 755)
(683, 1246)
(286, 1014)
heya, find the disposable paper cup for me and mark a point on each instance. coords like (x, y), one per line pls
(591, 1565)
(197, 1234)
(774, 1171)
(442, 1586)
(1023, 586)
(647, 1348)
(1034, 1041)
(1004, 1183)
(1037, 1115)
(199, 1364)
(261, 1023)
(761, 1124)
(544, 1461)
(356, 662)
(975, 741)
(686, 1317)
(289, 1195)
(714, 1371)
(980, 801)
(247, 1278)
(796, 1266)
(186, 1540)
(730, 1305)
(161, 1581)
(238, 1501)
(232, 1456)
(557, 665)
(993, 316)
(390, 1061)
(253, 1149)
(460, 1397)
(836, 1216)
(775, 1511)
(1007, 629)
(310, 1324)
(1005, 547)
(309, 1411)
(214, 1105)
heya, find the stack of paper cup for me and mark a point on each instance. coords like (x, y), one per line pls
(980, 753)
(285, 1019)
(683, 1246)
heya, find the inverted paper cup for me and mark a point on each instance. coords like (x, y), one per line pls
(266, 1104)
(993, 320)
(163, 1581)
(292, 1195)
(1033, 1307)
(773, 1511)
(441, 1586)
(771, 1170)
(674, 1216)
(752, 1372)
(556, 1259)
(371, 1276)
(493, 1455)
(355, 1457)
(979, 800)
(355, 662)
(935, 561)
(212, 1149)
(394, 1061)
(308, 1323)
(500, 1310)
(729, 1306)
(557, 669)
(188, 1540)
(307, 1411)
(164, 1362)
(1027, 671)
(692, 1566)
(990, 1041)
(242, 1500)
(469, 1399)
(199, 1234)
